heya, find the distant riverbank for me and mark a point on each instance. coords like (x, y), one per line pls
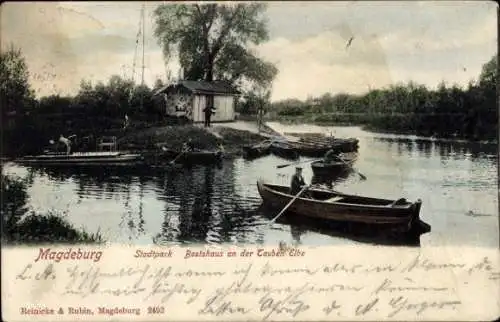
(424, 125)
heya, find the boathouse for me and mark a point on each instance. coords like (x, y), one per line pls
(188, 99)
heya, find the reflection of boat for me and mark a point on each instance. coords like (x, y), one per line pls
(284, 150)
(83, 158)
(332, 169)
(399, 215)
(256, 150)
(357, 233)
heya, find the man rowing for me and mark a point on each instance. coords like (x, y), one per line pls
(332, 156)
(297, 181)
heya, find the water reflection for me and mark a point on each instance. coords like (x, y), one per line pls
(424, 146)
(329, 181)
(300, 226)
(445, 149)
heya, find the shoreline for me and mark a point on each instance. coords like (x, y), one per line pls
(233, 139)
(374, 129)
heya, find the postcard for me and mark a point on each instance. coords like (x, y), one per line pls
(249, 161)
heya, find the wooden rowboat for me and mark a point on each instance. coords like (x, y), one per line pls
(330, 169)
(398, 215)
(256, 150)
(284, 150)
(318, 148)
(192, 157)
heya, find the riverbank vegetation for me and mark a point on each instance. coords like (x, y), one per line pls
(22, 226)
(448, 111)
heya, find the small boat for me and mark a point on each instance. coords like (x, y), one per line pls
(310, 150)
(330, 169)
(83, 159)
(256, 150)
(318, 147)
(399, 215)
(284, 150)
(193, 157)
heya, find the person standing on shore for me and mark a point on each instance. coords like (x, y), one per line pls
(208, 110)
(126, 122)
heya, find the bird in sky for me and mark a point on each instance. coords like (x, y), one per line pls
(349, 42)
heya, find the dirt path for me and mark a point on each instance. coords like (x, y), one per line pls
(249, 127)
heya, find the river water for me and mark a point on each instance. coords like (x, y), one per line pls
(457, 182)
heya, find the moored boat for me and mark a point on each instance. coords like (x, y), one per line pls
(310, 150)
(193, 157)
(284, 150)
(318, 147)
(83, 159)
(256, 150)
(398, 215)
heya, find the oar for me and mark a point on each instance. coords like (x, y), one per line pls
(298, 162)
(362, 176)
(177, 157)
(289, 204)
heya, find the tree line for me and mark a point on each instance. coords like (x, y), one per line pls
(448, 111)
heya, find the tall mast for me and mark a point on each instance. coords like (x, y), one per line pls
(143, 41)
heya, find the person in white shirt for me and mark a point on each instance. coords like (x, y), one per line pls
(66, 142)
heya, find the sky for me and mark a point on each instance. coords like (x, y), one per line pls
(396, 41)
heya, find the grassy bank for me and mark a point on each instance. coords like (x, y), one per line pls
(42, 229)
(173, 137)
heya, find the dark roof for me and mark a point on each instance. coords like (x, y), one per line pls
(201, 87)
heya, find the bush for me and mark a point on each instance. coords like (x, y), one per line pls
(49, 229)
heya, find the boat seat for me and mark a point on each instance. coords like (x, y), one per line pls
(334, 199)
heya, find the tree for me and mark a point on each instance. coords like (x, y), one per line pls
(255, 101)
(16, 94)
(488, 77)
(213, 41)
(16, 100)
